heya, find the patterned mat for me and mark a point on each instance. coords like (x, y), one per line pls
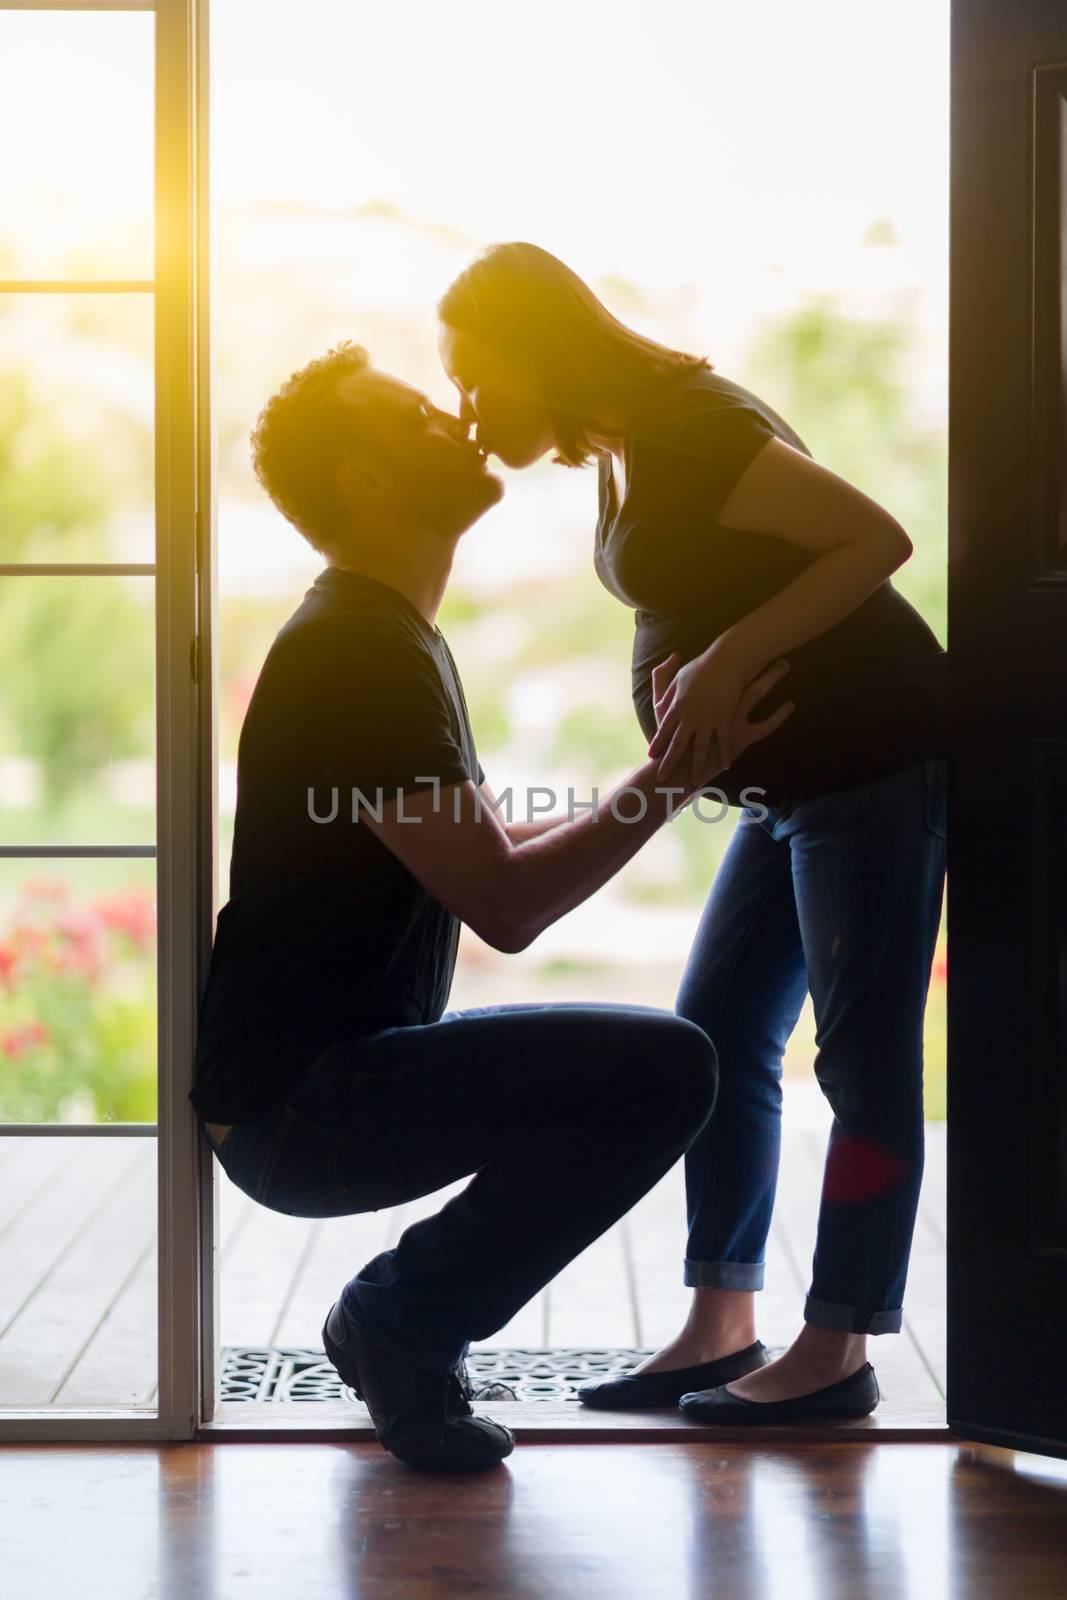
(287, 1375)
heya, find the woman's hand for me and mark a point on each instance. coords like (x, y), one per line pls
(678, 695)
(698, 706)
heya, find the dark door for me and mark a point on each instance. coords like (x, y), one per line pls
(1007, 893)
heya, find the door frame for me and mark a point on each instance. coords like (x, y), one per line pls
(185, 730)
(1007, 1030)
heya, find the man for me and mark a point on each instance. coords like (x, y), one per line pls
(329, 1075)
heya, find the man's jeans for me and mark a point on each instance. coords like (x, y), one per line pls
(842, 896)
(565, 1114)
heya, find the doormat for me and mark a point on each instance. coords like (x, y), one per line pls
(290, 1375)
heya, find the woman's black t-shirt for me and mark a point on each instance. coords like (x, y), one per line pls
(870, 692)
(326, 935)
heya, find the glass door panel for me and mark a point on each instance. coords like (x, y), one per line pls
(77, 1273)
(76, 427)
(79, 949)
(77, 991)
(76, 110)
(77, 717)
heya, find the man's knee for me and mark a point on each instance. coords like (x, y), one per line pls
(652, 1070)
(679, 1068)
(686, 1071)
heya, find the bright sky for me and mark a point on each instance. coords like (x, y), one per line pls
(668, 141)
(626, 136)
(76, 98)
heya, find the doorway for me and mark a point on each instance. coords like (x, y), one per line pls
(409, 141)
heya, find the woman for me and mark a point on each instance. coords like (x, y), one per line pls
(734, 547)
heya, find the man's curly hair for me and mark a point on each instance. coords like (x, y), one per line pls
(301, 436)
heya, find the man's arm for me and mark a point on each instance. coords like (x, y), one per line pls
(519, 832)
(509, 892)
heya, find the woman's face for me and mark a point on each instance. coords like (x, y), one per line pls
(500, 396)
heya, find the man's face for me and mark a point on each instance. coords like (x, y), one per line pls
(415, 462)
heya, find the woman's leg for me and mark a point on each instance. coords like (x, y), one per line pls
(744, 985)
(868, 870)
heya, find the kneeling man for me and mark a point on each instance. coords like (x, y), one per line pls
(329, 1074)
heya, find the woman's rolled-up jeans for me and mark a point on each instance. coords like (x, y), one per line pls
(841, 897)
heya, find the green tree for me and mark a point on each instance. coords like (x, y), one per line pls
(842, 383)
(76, 665)
(48, 490)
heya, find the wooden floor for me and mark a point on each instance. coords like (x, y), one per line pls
(77, 1273)
(336, 1520)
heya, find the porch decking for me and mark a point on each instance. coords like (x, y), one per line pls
(77, 1272)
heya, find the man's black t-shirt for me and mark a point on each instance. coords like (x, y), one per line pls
(326, 936)
(870, 692)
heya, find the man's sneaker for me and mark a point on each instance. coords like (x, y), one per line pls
(423, 1418)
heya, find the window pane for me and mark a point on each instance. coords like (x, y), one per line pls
(76, 427)
(77, 990)
(76, 101)
(77, 713)
(77, 1272)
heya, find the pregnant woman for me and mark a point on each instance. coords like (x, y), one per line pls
(733, 547)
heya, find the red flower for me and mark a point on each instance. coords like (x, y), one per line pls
(16, 1041)
(77, 945)
(44, 889)
(8, 962)
(80, 954)
(130, 912)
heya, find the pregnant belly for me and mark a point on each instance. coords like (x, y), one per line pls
(658, 637)
(865, 703)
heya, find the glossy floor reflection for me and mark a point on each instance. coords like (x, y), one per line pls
(277, 1521)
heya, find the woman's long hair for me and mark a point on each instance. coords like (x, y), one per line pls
(521, 300)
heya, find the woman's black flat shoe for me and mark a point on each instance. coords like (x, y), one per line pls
(855, 1396)
(632, 1391)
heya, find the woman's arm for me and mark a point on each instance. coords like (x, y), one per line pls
(857, 544)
